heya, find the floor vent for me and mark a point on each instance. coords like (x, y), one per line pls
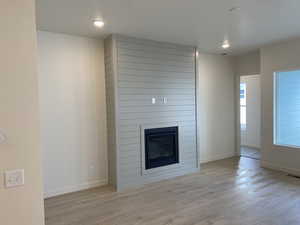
(295, 176)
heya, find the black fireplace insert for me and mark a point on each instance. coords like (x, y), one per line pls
(161, 147)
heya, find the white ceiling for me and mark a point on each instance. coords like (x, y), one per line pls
(202, 23)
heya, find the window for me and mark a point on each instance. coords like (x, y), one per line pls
(243, 106)
(287, 108)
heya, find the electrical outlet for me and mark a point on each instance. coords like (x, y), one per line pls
(14, 178)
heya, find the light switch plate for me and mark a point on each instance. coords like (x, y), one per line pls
(153, 101)
(14, 178)
(165, 100)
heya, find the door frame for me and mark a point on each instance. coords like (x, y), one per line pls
(238, 116)
(237, 113)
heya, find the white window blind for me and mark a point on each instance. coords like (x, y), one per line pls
(287, 108)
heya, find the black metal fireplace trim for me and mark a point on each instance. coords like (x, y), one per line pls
(161, 131)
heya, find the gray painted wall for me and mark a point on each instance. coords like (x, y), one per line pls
(145, 70)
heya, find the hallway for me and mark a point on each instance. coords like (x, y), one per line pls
(252, 153)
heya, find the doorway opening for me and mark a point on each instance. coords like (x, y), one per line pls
(250, 116)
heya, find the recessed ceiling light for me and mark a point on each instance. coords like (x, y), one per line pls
(98, 23)
(225, 44)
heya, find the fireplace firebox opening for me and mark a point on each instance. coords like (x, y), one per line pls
(161, 147)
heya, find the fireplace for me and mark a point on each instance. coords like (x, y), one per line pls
(161, 147)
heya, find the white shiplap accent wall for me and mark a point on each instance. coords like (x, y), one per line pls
(144, 70)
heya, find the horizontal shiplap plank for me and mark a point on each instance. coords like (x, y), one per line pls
(146, 115)
(154, 55)
(187, 133)
(161, 68)
(189, 139)
(156, 108)
(154, 120)
(146, 42)
(156, 91)
(154, 79)
(172, 97)
(135, 126)
(156, 74)
(130, 134)
(147, 102)
(156, 49)
(159, 102)
(129, 128)
(157, 84)
(130, 147)
(129, 141)
(163, 62)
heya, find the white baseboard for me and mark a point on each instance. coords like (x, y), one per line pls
(217, 157)
(269, 165)
(74, 188)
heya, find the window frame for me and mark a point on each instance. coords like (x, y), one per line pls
(274, 108)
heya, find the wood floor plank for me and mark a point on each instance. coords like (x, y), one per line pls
(226, 192)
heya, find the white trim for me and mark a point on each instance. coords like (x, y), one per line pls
(287, 146)
(237, 118)
(274, 107)
(198, 156)
(75, 188)
(116, 106)
(269, 165)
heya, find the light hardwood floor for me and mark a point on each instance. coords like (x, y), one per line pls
(227, 192)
